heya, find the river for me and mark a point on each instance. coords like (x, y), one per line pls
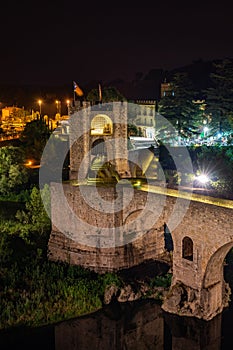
(137, 325)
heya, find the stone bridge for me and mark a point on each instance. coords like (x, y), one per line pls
(201, 229)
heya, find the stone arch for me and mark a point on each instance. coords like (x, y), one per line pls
(187, 248)
(101, 124)
(98, 147)
(132, 216)
(214, 268)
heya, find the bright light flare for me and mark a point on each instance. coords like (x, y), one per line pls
(29, 163)
(202, 178)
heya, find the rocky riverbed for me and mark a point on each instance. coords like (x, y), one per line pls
(148, 280)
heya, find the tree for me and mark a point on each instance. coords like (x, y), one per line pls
(34, 219)
(109, 94)
(34, 137)
(13, 174)
(178, 106)
(19, 113)
(133, 130)
(219, 97)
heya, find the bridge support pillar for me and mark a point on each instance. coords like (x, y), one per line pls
(202, 303)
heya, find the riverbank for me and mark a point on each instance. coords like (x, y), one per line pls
(35, 292)
(150, 279)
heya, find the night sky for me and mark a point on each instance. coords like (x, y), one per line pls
(56, 43)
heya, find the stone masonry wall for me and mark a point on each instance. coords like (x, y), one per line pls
(208, 226)
(69, 246)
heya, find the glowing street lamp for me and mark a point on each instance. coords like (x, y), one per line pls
(57, 102)
(202, 178)
(68, 106)
(40, 102)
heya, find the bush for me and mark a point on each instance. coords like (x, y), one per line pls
(161, 281)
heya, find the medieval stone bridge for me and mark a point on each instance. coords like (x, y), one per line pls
(201, 240)
(108, 227)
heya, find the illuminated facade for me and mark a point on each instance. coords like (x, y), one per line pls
(14, 119)
(143, 117)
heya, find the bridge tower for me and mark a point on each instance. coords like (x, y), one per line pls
(96, 216)
(98, 135)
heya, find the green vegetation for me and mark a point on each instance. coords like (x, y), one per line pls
(199, 113)
(38, 292)
(179, 109)
(34, 137)
(217, 163)
(219, 96)
(33, 290)
(109, 94)
(161, 281)
(13, 174)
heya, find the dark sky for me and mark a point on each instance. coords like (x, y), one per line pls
(56, 43)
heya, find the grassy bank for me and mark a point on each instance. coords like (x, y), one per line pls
(34, 291)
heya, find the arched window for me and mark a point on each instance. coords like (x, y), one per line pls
(187, 248)
(101, 124)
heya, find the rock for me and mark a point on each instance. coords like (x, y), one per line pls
(110, 293)
(127, 294)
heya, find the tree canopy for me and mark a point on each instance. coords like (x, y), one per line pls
(109, 94)
(34, 219)
(217, 163)
(34, 137)
(178, 106)
(13, 174)
(219, 97)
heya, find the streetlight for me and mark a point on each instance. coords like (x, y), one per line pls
(202, 178)
(40, 102)
(68, 106)
(58, 105)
